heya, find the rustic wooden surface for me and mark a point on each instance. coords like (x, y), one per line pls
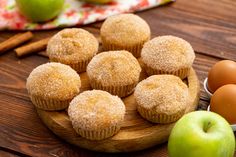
(209, 25)
(135, 134)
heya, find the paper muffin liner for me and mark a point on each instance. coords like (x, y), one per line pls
(162, 118)
(49, 104)
(120, 91)
(134, 49)
(98, 134)
(78, 67)
(182, 73)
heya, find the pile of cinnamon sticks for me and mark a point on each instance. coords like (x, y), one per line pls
(17, 40)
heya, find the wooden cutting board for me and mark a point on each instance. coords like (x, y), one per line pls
(135, 134)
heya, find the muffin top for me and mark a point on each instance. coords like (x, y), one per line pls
(96, 110)
(53, 81)
(125, 28)
(168, 53)
(162, 93)
(114, 68)
(72, 45)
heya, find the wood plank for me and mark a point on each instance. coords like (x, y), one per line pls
(7, 154)
(45, 33)
(22, 130)
(222, 10)
(206, 34)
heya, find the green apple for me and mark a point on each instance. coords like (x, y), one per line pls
(40, 10)
(201, 134)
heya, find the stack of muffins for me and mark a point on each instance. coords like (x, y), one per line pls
(98, 114)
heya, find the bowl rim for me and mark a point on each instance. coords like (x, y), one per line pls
(206, 87)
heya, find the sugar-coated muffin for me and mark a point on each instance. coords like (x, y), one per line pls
(168, 55)
(52, 86)
(161, 98)
(116, 72)
(125, 32)
(74, 47)
(96, 114)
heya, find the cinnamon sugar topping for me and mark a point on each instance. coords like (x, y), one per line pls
(168, 53)
(162, 93)
(72, 45)
(125, 29)
(96, 110)
(53, 81)
(114, 68)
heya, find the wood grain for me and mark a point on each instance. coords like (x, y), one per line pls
(211, 30)
(208, 25)
(7, 154)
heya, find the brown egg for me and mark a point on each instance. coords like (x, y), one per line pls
(223, 102)
(222, 73)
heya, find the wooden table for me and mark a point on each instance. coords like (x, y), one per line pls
(209, 25)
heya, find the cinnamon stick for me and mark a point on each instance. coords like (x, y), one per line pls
(32, 47)
(14, 41)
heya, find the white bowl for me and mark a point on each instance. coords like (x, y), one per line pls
(233, 125)
(209, 94)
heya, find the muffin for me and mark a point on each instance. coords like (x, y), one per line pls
(96, 114)
(52, 86)
(74, 47)
(125, 32)
(161, 98)
(116, 72)
(168, 55)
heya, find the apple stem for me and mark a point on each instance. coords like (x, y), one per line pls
(206, 127)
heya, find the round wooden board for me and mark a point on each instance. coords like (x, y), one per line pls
(135, 134)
